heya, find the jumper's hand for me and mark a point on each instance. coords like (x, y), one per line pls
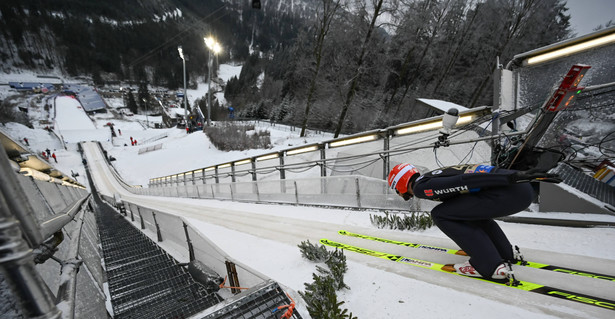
(405, 196)
(530, 176)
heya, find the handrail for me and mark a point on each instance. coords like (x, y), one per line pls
(363, 137)
(70, 268)
(16, 256)
(388, 152)
(320, 162)
(20, 153)
(54, 223)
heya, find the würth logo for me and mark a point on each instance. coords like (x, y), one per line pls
(428, 192)
(451, 190)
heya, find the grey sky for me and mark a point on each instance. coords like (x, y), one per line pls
(585, 15)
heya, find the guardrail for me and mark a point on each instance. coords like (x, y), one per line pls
(30, 162)
(335, 191)
(150, 148)
(316, 155)
(188, 243)
(34, 215)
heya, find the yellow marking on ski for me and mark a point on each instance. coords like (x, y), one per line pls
(523, 285)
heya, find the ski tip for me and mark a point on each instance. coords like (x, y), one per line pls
(461, 253)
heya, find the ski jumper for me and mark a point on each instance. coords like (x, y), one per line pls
(471, 196)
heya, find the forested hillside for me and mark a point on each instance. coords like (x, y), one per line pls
(338, 65)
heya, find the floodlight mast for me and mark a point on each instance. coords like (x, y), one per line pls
(214, 46)
(181, 55)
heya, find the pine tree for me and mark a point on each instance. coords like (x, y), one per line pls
(132, 104)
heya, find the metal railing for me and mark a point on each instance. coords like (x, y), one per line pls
(33, 215)
(334, 191)
(323, 156)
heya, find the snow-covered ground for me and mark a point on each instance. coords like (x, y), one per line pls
(377, 289)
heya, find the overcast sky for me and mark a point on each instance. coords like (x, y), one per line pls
(588, 14)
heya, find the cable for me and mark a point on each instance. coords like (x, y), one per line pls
(495, 115)
(602, 141)
(354, 168)
(188, 28)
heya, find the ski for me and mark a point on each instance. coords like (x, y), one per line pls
(459, 252)
(521, 285)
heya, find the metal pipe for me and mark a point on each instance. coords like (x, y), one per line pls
(56, 222)
(70, 268)
(210, 62)
(185, 96)
(322, 162)
(16, 260)
(17, 202)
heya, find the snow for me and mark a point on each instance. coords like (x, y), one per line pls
(377, 290)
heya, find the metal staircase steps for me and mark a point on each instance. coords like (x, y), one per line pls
(143, 280)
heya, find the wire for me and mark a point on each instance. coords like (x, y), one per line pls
(602, 141)
(301, 169)
(495, 115)
(354, 168)
(435, 153)
(164, 44)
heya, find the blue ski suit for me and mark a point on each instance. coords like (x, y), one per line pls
(471, 196)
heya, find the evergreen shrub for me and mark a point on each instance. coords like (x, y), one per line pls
(320, 295)
(412, 221)
(235, 137)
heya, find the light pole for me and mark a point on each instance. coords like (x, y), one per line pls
(146, 110)
(181, 55)
(212, 45)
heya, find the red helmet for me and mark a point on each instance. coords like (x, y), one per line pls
(401, 175)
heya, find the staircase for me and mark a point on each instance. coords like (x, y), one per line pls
(144, 281)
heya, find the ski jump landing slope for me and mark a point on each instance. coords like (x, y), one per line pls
(74, 124)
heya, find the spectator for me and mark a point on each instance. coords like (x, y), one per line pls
(119, 131)
(45, 155)
(25, 140)
(54, 157)
(135, 141)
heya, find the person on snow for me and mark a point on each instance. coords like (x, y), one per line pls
(472, 196)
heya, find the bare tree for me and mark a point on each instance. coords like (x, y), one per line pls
(435, 12)
(461, 22)
(329, 9)
(355, 79)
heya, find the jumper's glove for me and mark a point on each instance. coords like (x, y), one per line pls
(534, 176)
